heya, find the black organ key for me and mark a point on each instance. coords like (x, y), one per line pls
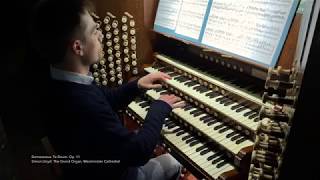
(170, 126)
(191, 83)
(256, 119)
(224, 100)
(219, 165)
(202, 89)
(248, 113)
(205, 151)
(236, 137)
(221, 158)
(177, 77)
(182, 79)
(229, 103)
(188, 107)
(205, 117)
(198, 113)
(207, 121)
(180, 133)
(194, 143)
(241, 109)
(231, 134)
(177, 130)
(219, 127)
(196, 87)
(212, 94)
(201, 148)
(190, 140)
(212, 122)
(241, 140)
(219, 99)
(195, 111)
(224, 129)
(214, 156)
(186, 137)
(144, 104)
(236, 106)
(253, 116)
(170, 123)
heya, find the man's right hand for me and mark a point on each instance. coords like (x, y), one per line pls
(172, 100)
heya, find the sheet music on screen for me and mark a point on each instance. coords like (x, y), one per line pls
(250, 30)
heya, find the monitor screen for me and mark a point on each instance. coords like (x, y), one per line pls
(249, 30)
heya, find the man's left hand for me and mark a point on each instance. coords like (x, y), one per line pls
(153, 80)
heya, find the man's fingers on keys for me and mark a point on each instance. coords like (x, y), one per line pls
(179, 104)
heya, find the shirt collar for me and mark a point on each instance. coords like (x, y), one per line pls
(63, 75)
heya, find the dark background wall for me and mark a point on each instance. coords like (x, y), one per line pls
(21, 74)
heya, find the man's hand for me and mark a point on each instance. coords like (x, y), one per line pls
(172, 100)
(150, 81)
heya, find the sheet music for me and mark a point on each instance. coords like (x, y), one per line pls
(167, 14)
(248, 28)
(191, 18)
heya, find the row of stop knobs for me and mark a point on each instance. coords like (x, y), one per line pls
(279, 98)
(119, 56)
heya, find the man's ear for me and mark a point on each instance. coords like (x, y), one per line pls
(77, 47)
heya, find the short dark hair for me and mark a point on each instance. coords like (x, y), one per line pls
(53, 24)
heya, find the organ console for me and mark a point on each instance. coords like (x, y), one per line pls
(241, 85)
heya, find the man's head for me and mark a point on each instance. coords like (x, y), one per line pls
(63, 30)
